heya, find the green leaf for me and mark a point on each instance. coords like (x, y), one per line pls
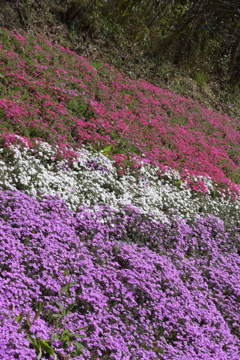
(66, 272)
(39, 345)
(40, 307)
(46, 347)
(69, 308)
(55, 316)
(78, 345)
(178, 183)
(60, 306)
(33, 342)
(66, 331)
(65, 288)
(77, 335)
(39, 354)
(106, 150)
(28, 319)
(83, 328)
(65, 339)
(20, 316)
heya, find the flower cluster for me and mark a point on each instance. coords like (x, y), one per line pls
(56, 95)
(92, 179)
(119, 215)
(144, 290)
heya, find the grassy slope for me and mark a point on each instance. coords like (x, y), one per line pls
(90, 37)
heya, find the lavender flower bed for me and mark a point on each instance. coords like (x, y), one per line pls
(142, 289)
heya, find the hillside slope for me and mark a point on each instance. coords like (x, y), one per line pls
(190, 48)
(119, 214)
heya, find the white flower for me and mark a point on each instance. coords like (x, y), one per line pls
(78, 184)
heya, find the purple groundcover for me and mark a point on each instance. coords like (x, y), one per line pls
(141, 289)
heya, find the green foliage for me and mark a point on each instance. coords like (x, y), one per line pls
(106, 150)
(201, 79)
(20, 317)
(177, 183)
(67, 337)
(191, 37)
(79, 108)
(43, 347)
(236, 176)
(65, 288)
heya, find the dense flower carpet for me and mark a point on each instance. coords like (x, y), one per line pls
(119, 214)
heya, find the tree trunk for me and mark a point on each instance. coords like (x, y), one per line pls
(234, 54)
